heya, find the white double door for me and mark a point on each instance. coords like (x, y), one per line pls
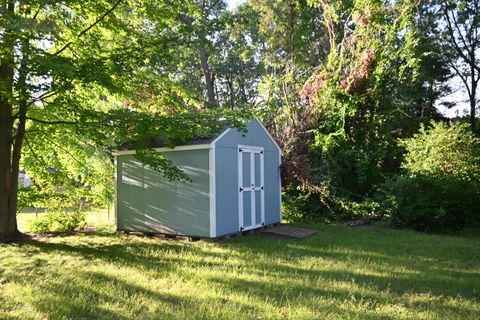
(251, 188)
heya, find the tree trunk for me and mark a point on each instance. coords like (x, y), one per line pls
(8, 221)
(8, 171)
(473, 107)
(202, 54)
(209, 83)
(473, 95)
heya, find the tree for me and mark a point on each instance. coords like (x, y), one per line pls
(288, 39)
(93, 71)
(201, 17)
(378, 82)
(462, 31)
(215, 44)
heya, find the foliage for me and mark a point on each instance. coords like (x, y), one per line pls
(78, 79)
(337, 83)
(288, 39)
(378, 83)
(302, 207)
(440, 186)
(354, 103)
(58, 221)
(298, 206)
(444, 150)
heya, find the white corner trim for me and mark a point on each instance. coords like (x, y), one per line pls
(212, 144)
(115, 186)
(240, 185)
(280, 185)
(213, 204)
(268, 134)
(165, 149)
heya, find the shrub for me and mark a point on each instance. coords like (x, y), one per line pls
(301, 206)
(42, 224)
(431, 204)
(440, 186)
(60, 221)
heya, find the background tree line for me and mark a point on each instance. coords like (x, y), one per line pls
(349, 89)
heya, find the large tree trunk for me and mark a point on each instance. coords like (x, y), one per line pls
(8, 219)
(203, 56)
(209, 82)
(8, 169)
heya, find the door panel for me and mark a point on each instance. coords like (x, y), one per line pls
(247, 178)
(257, 162)
(258, 207)
(247, 209)
(251, 189)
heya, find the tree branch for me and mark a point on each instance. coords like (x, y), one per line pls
(462, 77)
(66, 46)
(450, 30)
(34, 154)
(43, 96)
(455, 22)
(69, 154)
(52, 122)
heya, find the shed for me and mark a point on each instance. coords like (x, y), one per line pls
(235, 186)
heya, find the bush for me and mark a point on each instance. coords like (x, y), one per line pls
(431, 204)
(301, 206)
(61, 221)
(42, 224)
(440, 186)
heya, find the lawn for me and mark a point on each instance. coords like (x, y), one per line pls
(341, 273)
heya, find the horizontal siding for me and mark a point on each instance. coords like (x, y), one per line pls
(148, 202)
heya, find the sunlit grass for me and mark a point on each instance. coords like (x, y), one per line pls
(341, 273)
(100, 218)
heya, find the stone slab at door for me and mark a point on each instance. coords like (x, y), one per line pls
(251, 188)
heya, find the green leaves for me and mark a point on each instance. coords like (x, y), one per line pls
(444, 150)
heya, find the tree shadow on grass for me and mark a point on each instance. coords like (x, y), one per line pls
(86, 294)
(381, 275)
(95, 295)
(375, 267)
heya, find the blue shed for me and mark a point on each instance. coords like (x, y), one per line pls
(235, 186)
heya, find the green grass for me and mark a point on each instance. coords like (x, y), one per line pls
(100, 218)
(341, 273)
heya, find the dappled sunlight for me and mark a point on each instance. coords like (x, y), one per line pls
(162, 206)
(334, 275)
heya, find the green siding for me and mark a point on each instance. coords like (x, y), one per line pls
(149, 202)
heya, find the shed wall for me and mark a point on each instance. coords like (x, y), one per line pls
(149, 202)
(226, 177)
(255, 136)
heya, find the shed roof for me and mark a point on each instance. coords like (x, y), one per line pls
(159, 143)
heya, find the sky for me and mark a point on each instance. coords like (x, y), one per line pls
(233, 3)
(460, 96)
